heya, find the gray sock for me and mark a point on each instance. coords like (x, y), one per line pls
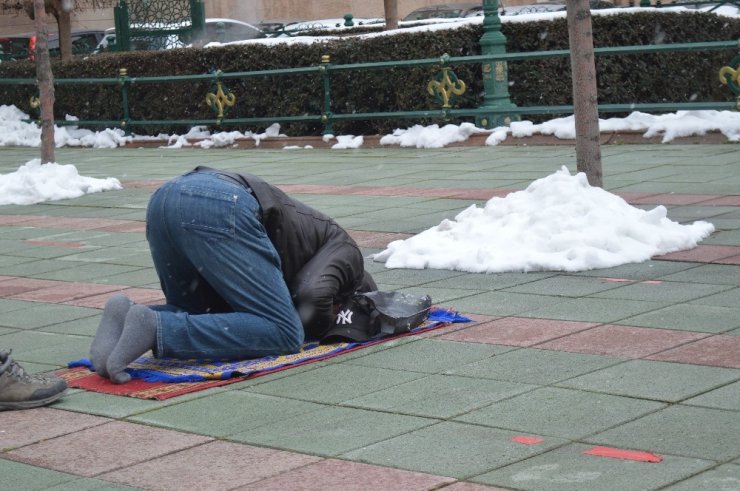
(138, 336)
(109, 330)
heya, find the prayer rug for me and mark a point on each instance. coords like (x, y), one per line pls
(163, 378)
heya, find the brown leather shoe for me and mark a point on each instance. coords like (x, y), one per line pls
(20, 390)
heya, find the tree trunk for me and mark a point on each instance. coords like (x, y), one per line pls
(585, 97)
(391, 14)
(45, 81)
(64, 26)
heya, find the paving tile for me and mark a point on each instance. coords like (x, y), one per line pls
(626, 341)
(347, 382)
(41, 314)
(587, 309)
(662, 291)
(724, 477)
(14, 286)
(727, 397)
(439, 396)
(331, 431)
(517, 331)
(660, 381)
(467, 450)
(702, 253)
(341, 475)
(102, 448)
(568, 469)
(729, 298)
(493, 281)
(565, 286)
(263, 410)
(505, 303)
(19, 476)
(90, 484)
(214, 466)
(535, 366)
(689, 317)
(19, 428)
(718, 351)
(428, 355)
(561, 413)
(469, 486)
(69, 291)
(679, 430)
(714, 274)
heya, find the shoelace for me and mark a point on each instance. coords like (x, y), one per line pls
(16, 371)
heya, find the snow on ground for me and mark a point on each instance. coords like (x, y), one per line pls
(558, 223)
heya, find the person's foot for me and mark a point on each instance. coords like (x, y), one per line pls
(138, 336)
(109, 330)
(20, 390)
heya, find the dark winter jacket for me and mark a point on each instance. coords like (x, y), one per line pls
(321, 264)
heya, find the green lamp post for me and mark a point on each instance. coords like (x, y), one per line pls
(495, 77)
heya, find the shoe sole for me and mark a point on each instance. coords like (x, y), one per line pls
(10, 406)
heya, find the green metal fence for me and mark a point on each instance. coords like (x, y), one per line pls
(443, 84)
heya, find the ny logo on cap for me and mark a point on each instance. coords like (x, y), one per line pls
(344, 317)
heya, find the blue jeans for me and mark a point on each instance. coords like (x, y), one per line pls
(225, 292)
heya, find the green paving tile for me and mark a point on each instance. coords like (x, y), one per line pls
(689, 317)
(408, 277)
(568, 469)
(84, 272)
(492, 281)
(261, 410)
(563, 413)
(87, 326)
(724, 477)
(47, 348)
(41, 314)
(679, 430)
(346, 382)
(714, 274)
(428, 355)
(439, 396)
(565, 286)
(662, 292)
(7, 305)
(727, 397)
(451, 449)
(729, 298)
(505, 303)
(534, 366)
(18, 476)
(593, 310)
(331, 430)
(657, 380)
(117, 406)
(36, 268)
(647, 270)
(6, 330)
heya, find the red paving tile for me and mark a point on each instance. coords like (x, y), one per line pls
(343, 475)
(516, 331)
(717, 351)
(375, 240)
(213, 466)
(148, 296)
(125, 226)
(734, 260)
(143, 183)
(66, 292)
(103, 448)
(702, 254)
(673, 199)
(723, 201)
(469, 486)
(622, 341)
(17, 286)
(20, 428)
(14, 219)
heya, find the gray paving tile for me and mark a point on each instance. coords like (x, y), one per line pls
(534, 366)
(439, 396)
(466, 450)
(263, 410)
(724, 477)
(670, 382)
(428, 355)
(568, 469)
(346, 381)
(679, 430)
(331, 431)
(562, 413)
(689, 317)
(727, 397)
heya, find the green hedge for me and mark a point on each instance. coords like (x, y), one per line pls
(667, 77)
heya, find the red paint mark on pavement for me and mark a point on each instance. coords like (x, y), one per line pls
(56, 244)
(617, 280)
(616, 453)
(651, 282)
(527, 440)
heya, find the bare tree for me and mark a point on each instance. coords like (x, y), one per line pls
(391, 14)
(585, 97)
(46, 83)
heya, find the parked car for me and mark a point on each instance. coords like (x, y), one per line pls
(224, 31)
(446, 11)
(23, 46)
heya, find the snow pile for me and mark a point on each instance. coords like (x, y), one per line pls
(35, 183)
(559, 223)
